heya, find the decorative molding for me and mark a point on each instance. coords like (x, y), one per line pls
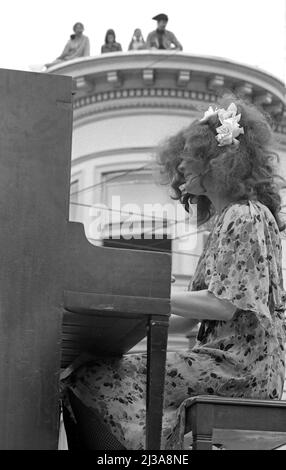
(148, 76)
(113, 78)
(202, 68)
(155, 98)
(244, 89)
(217, 81)
(184, 76)
(82, 84)
(96, 106)
(135, 93)
(263, 99)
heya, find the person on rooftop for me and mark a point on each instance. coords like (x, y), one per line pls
(110, 44)
(161, 38)
(77, 46)
(137, 41)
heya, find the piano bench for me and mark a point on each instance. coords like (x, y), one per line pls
(208, 414)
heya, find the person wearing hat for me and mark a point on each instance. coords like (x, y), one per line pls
(161, 38)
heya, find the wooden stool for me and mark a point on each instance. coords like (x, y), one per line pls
(206, 413)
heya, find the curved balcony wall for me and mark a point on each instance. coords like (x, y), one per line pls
(154, 93)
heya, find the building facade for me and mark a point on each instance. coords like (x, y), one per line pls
(124, 105)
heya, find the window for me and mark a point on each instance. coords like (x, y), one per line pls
(137, 219)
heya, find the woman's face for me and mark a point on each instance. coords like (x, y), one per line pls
(192, 179)
(110, 38)
(78, 29)
(137, 33)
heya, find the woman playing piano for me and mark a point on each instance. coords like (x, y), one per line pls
(225, 163)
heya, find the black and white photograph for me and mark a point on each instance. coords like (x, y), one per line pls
(143, 228)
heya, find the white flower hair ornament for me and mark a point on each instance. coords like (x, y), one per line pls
(210, 112)
(229, 129)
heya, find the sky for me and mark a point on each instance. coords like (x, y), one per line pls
(252, 32)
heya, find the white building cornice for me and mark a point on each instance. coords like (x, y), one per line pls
(166, 79)
(245, 78)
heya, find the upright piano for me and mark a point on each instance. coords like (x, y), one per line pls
(60, 295)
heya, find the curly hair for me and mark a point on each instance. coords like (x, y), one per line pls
(238, 172)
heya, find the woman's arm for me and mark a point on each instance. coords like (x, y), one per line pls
(201, 305)
(181, 325)
(65, 51)
(176, 43)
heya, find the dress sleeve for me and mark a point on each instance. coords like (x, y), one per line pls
(82, 49)
(86, 51)
(238, 265)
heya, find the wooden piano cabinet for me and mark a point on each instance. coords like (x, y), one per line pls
(35, 149)
(51, 276)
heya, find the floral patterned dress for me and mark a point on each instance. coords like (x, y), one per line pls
(241, 357)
